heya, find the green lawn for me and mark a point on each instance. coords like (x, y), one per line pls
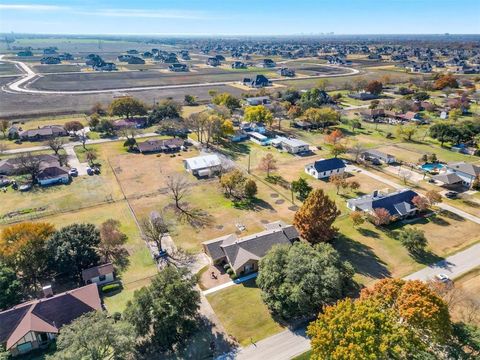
(243, 314)
(304, 356)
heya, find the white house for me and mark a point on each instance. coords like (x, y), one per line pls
(379, 156)
(459, 173)
(293, 146)
(206, 165)
(53, 175)
(325, 168)
(101, 274)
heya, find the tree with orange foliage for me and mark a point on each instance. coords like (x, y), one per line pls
(415, 303)
(374, 87)
(23, 247)
(421, 203)
(445, 81)
(334, 137)
(315, 218)
(380, 217)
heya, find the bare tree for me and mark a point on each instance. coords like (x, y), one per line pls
(56, 144)
(179, 187)
(155, 228)
(357, 149)
(82, 135)
(29, 164)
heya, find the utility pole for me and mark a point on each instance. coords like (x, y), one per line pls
(248, 169)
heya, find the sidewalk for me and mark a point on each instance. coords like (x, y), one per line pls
(230, 283)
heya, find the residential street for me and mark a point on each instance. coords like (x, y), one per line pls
(453, 266)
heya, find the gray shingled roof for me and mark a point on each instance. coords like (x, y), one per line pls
(238, 251)
(463, 167)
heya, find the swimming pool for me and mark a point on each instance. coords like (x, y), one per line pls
(432, 166)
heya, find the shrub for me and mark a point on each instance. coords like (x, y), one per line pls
(230, 271)
(226, 267)
(111, 288)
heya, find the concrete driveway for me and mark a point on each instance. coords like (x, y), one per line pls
(74, 162)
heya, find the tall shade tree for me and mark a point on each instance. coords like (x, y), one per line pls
(23, 247)
(73, 126)
(73, 249)
(415, 303)
(296, 281)
(95, 336)
(301, 188)
(166, 311)
(226, 99)
(354, 329)
(374, 87)
(314, 220)
(258, 113)
(10, 287)
(112, 241)
(128, 107)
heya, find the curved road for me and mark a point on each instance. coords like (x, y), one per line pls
(30, 76)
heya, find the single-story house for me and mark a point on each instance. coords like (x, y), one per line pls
(134, 123)
(53, 174)
(325, 168)
(459, 173)
(206, 165)
(43, 133)
(164, 145)
(258, 138)
(34, 324)
(244, 253)
(293, 146)
(101, 274)
(13, 166)
(379, 156)
(213, 61)
(301, 124)
(363, 96)
(266, 63)
(286, 72)
(399, 203)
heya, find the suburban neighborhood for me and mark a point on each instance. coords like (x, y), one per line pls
(238, 197)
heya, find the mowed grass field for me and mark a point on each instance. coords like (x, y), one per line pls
(243, 314)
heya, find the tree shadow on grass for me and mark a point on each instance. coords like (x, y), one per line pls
(439, 221)
(451, 215)
(426, 257)
(362, 257)
(368, 233)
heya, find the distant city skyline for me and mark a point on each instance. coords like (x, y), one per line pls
(246, 17)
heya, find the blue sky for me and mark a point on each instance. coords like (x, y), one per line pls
(241, 17)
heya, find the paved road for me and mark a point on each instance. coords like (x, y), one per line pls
(453, 266)
(75, 143)
(282, 346)
(20, 85)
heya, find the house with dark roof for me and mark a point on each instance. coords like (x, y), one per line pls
(244, 253)
(53, 174)
(213, 61)
(101, 274)
(12, 166)
(325, 168)
(43, 133)
(36, 323)
(163, 145)
(267, 63)
(258, 82)
(178, 67)
(459, 173)
(399, 203)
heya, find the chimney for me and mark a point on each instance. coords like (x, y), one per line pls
(47, 291)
